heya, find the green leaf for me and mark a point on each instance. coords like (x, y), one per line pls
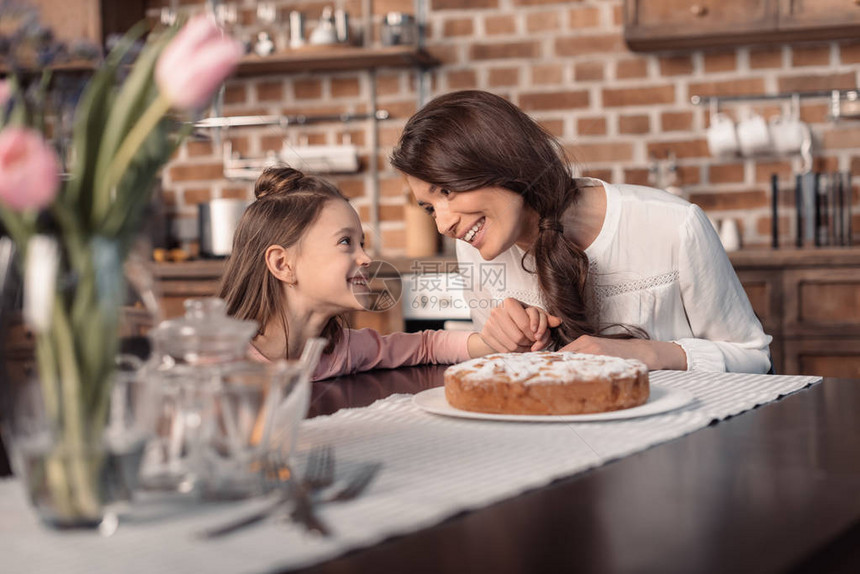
(136, 94)
(139, 178)
(6, 110)
(39, 116)
(18, 115)
(16, 226)
(90, 119)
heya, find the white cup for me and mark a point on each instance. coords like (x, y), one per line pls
(754, 136)
(722, 137)
(788, 134)
(730, 235)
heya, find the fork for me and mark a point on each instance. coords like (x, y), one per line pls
(355, 484)
(272, 475)
(319, 473)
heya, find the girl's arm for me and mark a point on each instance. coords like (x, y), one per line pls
(366, 349)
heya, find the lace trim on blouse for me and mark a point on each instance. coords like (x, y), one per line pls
(605, 291)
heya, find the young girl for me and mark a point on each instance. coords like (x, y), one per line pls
(630, 271)
(297, 267)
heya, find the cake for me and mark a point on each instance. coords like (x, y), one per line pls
(546, 383)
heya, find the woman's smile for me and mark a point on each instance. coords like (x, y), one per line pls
(475, 235)
(471, 233)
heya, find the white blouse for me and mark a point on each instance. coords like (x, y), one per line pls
(657, 264)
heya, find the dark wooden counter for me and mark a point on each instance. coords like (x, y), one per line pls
(807, 299)
(776, 489)
(743, 259)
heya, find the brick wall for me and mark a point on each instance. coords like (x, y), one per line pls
(566, 64)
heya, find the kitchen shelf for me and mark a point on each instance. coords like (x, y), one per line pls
(70, 66)
(335, 58)
(211, 269)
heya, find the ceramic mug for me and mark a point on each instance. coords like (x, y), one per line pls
(788, 134)
(722, 137)
(730, 235)
(754, 136)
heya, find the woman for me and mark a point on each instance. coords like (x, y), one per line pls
(628, 270)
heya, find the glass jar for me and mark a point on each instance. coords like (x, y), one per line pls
(217, 409)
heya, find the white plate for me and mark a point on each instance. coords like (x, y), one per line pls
(662, 399)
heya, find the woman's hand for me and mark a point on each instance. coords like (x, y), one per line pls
(515, 327)
(655, 354)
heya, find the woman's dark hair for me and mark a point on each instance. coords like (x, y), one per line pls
(472, 139)
(288, 203)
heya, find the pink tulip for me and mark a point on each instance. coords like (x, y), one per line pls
(195, 63)
(29, 170)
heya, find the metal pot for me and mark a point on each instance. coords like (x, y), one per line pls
(217, 221)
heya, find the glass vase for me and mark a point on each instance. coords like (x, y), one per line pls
(74, 421)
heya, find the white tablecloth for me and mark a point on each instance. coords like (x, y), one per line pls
(434, 467)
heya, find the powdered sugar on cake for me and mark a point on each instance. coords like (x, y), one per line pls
(546, 367)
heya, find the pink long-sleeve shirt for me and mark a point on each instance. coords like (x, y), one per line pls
(365, 349)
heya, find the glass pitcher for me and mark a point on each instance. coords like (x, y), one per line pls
(220, 414)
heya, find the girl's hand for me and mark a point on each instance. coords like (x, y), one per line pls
(514, 327)
(539, 322)
(655, 354)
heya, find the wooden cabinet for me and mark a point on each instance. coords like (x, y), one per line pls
(673, 24)
(660, 24)
(92, 20)
(764, 289)
(823, 15)
(809, 300)
(821, 328)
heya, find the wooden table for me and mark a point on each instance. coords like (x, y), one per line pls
(775, 489)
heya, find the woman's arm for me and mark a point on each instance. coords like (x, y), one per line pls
(727, 335)
(655, 354)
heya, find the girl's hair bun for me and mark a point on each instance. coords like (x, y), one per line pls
(278, 181)
(284, 182)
